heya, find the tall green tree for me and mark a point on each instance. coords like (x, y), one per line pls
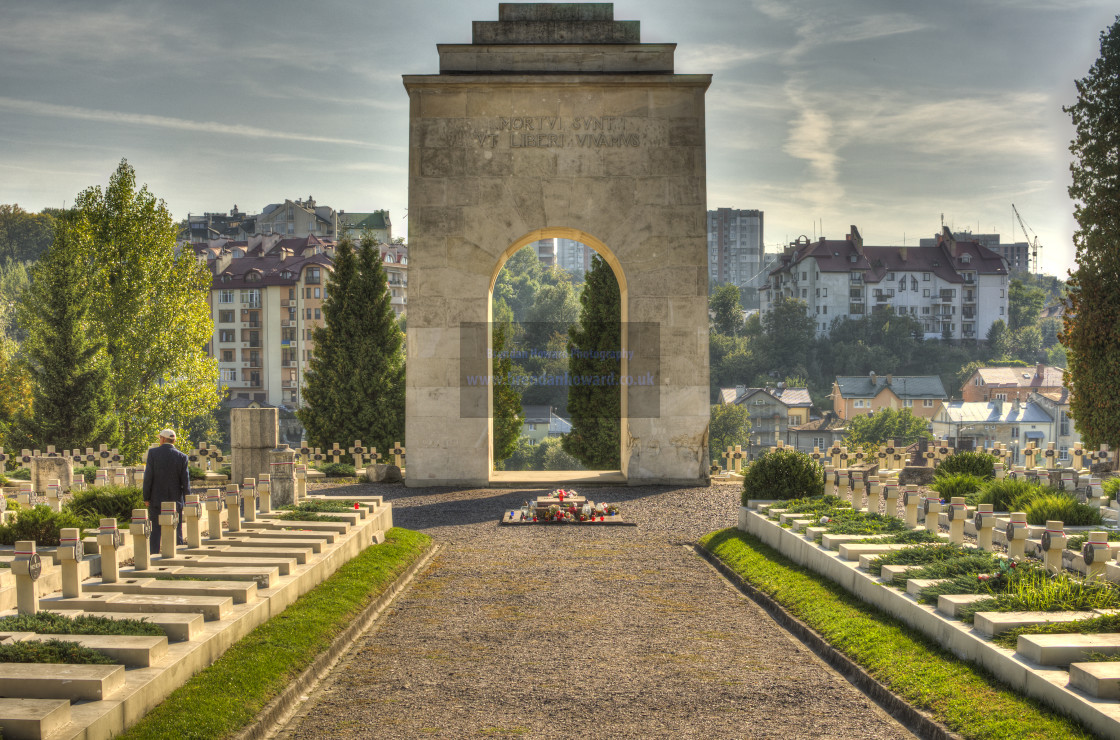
(69, 368)
(730, 425)
(150, 308)
(886, 424)
(726, 309)
(1092, 323)
(355, 380)
(1024, 304)
(788, 336)
(507, 414)
(999, 339)
(595, 402)
(24, 236)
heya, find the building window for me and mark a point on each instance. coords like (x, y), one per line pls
(824, 310)
(1000, 396)
(307, 314)
(1001, 310)
(229, 374)
(1063, 453)
(316, 292)
(792, 421)
(858, 403)
(1063, 424)
(927, 403)
(804, 293)
(227, 355)
(227, 335)
(804, 275)
(925, 276)
(925, 292)
(824, 291)
(908, 403)
(318, 314)
(251, 297)
(818, 442)
(856, 277)
(312, 275)
(225, 317)
(225, 296)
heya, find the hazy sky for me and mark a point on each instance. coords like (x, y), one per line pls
(879, 113)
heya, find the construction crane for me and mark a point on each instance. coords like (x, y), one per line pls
(1034, 245)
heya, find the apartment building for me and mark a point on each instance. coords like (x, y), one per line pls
(1010, 383)
(1017, 254)
(773, 411)
(978, 424)
(296, 218)
(735, 250)
(954, 289)
(266, 301)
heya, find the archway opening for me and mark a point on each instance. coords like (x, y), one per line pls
(557, 403)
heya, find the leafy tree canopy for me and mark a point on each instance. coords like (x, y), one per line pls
(886, 424)
(727, 313)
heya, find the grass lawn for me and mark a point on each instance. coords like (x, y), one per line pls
(962, 696)
(226, 696)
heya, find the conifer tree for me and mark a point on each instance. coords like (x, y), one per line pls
(72, 397)
(508, 415)
(595, 395)
(355, 383)
(1092, 319)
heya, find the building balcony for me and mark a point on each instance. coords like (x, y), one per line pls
(289, 383)
(287, 323)
(251, 323)
(253, 364)
(252, 343)
(251, 304)
(286, 302)
(856, 308)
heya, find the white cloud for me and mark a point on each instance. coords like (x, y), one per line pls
(36, 108)
(706, 58)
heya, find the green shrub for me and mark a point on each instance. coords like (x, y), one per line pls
(1111, 487)
(225, 470)
(1008, 494)
(782, 474)
(980, 464)
(196, 473)
(108, 501)
(957, 484)
(336, 470)
(51, 651)
(1063, 508)
(911, 537)
(1075, 542)
(920, 555)
(87, 472)
(1107, 623)
(39, 524)
(968, 564)
(53, 623)
(861, 522)
(20, 474)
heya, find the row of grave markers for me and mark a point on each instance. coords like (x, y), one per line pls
(894, 457)
(251, 494)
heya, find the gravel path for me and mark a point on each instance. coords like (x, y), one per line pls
(578, 632)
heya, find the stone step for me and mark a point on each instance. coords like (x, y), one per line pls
(273, 538)
(995, 623)
(263, 577)
(950, 604)
(218, 558)
(1061, 650)
(798, 524)
(210, 607)
(228, 549)
(1099, 679)
(347, 520)
(33, 719)
(180, 627)
(59, 681)
(856, 550)
(130, 650)
(240, 591)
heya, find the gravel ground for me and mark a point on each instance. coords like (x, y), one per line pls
(565, 631)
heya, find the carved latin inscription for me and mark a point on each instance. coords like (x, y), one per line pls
(552, 132)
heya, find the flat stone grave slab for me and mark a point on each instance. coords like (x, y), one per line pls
(33, 718)
(272, 529)
(950, 604)
(240, 591)
(914, 585)
(181, 627)
(233, 560)
(280, 525)
(212, 608)
(273, 540)
(1061, 650)
(263, 577)
(289, 550)
(833, 541)
(130, 650)
(996, 623)
(1099, 679)
(59, 681)
(855, 550)
(888, 572)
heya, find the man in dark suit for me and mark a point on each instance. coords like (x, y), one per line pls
(166, 478)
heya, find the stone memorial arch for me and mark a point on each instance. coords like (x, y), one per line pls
(557, 122)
